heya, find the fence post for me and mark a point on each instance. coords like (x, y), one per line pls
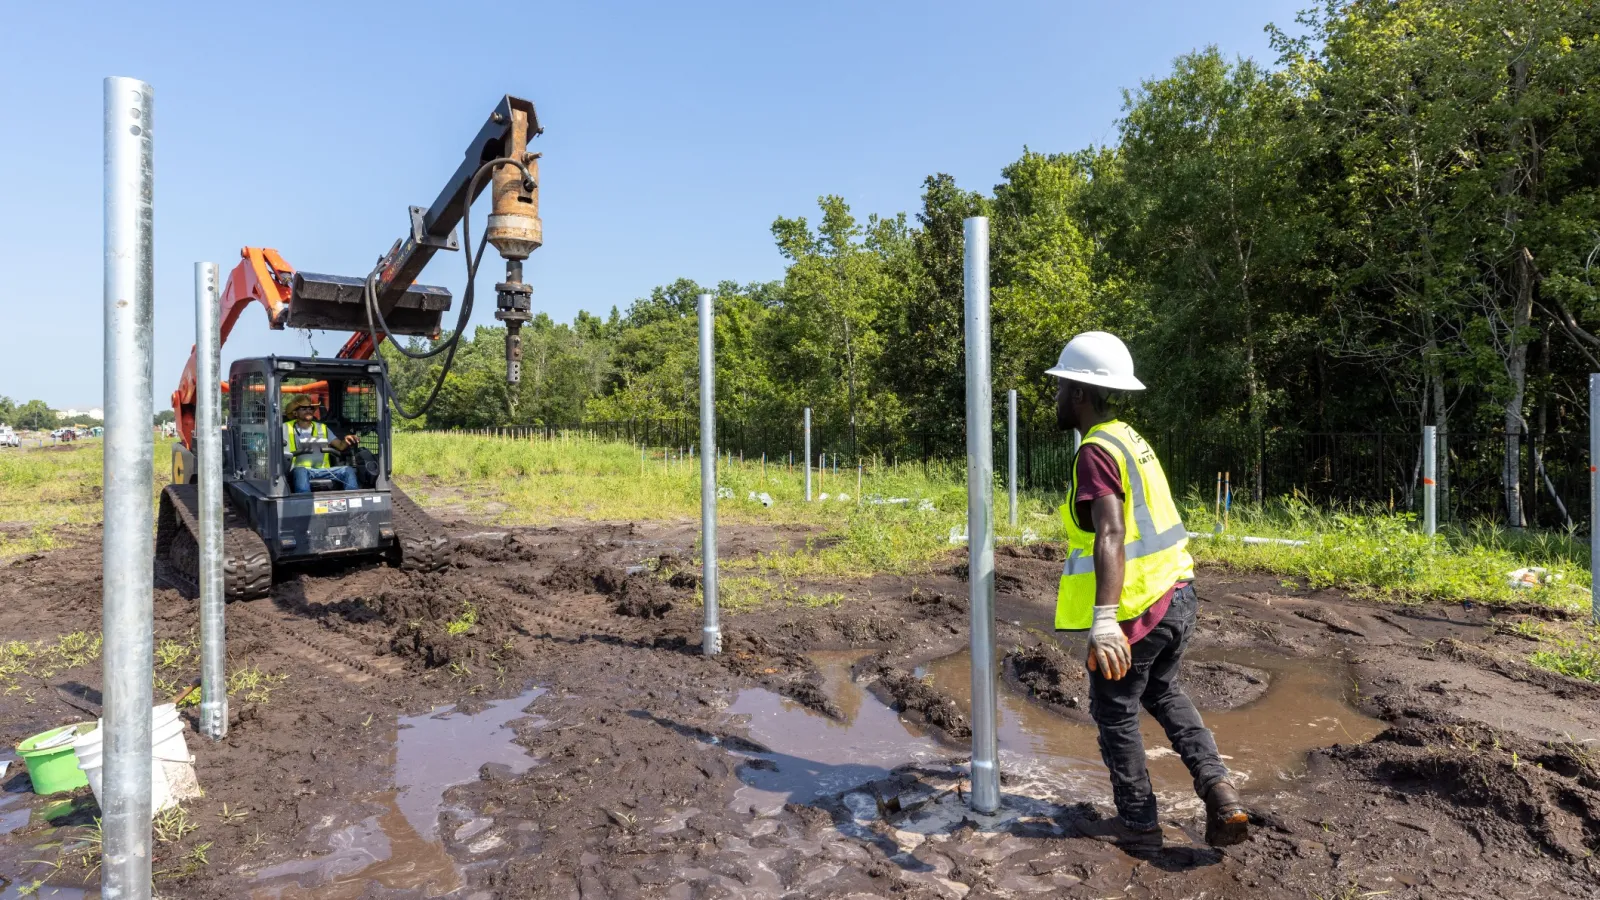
(1011, 454)
(1594, 496)
(711, 631)
(208, 465)
(980, 517)
(807, 455)
(1430, 480)
(128, 619)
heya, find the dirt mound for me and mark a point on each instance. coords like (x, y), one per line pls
(793, 675)
(582, 578)
(1223, 685)
(643, 596)
(1044, 550)
(494, 546)
(436, 622)
(1048, 676)
(929, 603)
(1505, 788)
(916, 700)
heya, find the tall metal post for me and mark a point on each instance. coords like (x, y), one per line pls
(711, 631)
(1430, 480)
(807, 456)
(208, 465)
(127, 619)
(1011, 454)
(1594, 497)
(980, 519)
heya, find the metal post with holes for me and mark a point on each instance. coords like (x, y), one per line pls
(1011, 454)
(711, 630)
(1594, 497)
(208, 462)
(807, 455)
(127, 622)
(980, 519)
(1430, 480)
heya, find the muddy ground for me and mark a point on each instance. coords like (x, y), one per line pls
(571, 741)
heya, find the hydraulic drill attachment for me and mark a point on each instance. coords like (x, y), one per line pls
(515, 231)
(514, 227)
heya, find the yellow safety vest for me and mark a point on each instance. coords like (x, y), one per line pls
(1156, 542)
(309, 460)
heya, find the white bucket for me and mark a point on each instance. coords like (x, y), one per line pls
(172, 777)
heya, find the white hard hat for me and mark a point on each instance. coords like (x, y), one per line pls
(1100, 359)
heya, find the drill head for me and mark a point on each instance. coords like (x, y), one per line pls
(514, 306)
(513, 353)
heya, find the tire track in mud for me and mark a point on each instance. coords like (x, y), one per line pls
(514, 599)
(334, 651)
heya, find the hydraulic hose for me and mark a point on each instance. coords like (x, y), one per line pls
(448, 347)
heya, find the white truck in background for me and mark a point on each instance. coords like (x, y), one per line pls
(8, 438)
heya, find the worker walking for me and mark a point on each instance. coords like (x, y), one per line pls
(1128, 581)
(306, 442)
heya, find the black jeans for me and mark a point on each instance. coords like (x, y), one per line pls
(1153, 683)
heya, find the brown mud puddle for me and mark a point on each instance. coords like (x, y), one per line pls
(399, 849)
(813, 755)
(1264, 742)
(1306, 706)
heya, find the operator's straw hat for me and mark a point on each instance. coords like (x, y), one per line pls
(292, 406)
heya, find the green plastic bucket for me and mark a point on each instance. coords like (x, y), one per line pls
(53, 769)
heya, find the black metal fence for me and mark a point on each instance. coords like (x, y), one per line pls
(1382, 469)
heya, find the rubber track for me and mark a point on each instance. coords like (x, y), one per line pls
(424, 544)
(246, 564)
(320, 645)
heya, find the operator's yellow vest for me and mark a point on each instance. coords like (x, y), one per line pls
(1157, 544)
(319, 432)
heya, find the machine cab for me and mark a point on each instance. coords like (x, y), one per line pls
(350, 397)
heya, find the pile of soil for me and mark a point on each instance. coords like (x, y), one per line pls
(1045, 674)
(1507, 787)
(916, 700)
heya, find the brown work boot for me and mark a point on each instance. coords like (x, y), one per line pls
(1227, 822)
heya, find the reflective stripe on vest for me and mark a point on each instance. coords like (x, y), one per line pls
(1156, 552)
(306, 460)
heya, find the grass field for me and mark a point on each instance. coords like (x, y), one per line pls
(46, 490)
(1373, 553)
(47, 493)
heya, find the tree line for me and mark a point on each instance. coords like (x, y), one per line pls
(32, 415)
(1394, 223)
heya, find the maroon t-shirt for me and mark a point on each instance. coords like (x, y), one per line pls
(1098, 476)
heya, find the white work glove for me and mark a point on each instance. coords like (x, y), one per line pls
(1109, 652)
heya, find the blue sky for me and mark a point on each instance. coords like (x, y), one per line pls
(675, 134)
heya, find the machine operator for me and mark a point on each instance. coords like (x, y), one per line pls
(1128, 582)
(306, 442)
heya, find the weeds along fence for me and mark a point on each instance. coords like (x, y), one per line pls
(1349, 469)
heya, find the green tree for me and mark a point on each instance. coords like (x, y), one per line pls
(836, 292)
(35, 415)
(1200, 205)
(1043, 285)
(925, 348)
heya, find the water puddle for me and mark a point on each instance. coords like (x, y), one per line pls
(25, 890)
(1305, 706)
(438, 750)
(14, 811)
(399, 849)
(815, 755)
